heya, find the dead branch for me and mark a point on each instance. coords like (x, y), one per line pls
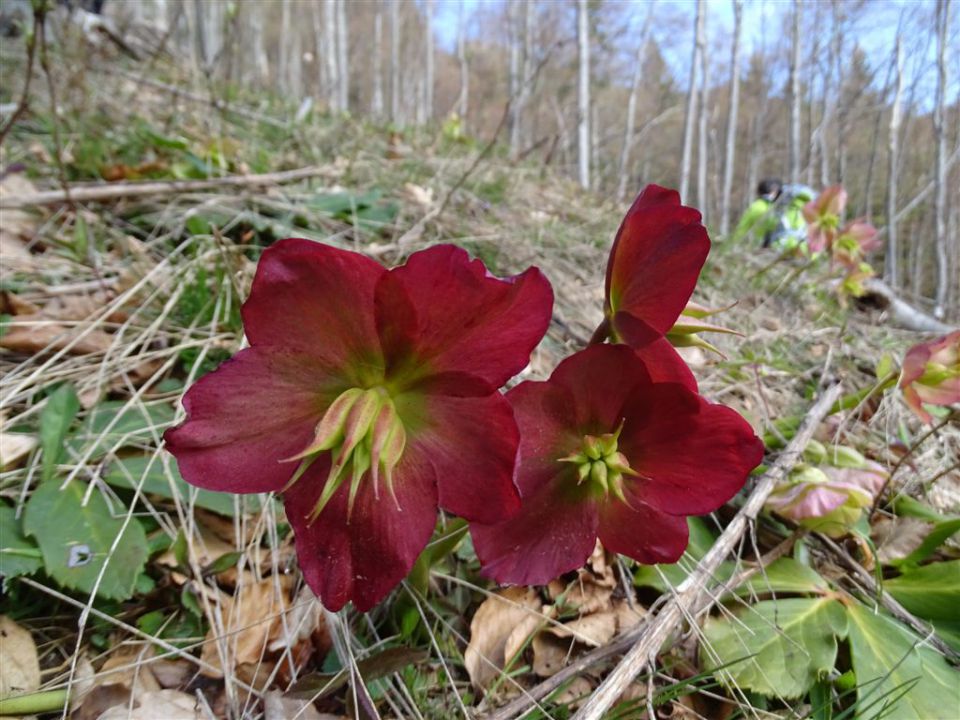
(100, 192)
(692, 596)
(901, 312)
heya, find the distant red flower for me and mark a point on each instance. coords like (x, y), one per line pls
(653, 268)
(369, 397)
(606, 451)
(855, 240)
(931, 374)
(823, 217)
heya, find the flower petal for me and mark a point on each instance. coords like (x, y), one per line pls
(363, 557)
(598, 380)
(319, 300)
(247, 417)
(696, 455)
(642, 532)
(654, 265)
(469, 321)
(554, 532)
(664, 364)
(471, 443)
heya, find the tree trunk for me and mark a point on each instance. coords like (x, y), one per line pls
(703, 148)
(731, 149)
(343, 62)
(624, 170)
(583, 121)
(330, 54)
(940, 190)
(428, 80)
(513, 81)
(892, 260)
(463, 100)
(687, 153)
(395, 108)
(376, 103)
(526, 69)
(795, 96)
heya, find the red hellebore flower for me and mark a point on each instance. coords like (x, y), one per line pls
(931, 374)
(606, 451)
(823, 217)
(368, 397)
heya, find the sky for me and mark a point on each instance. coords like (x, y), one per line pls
(875, 32)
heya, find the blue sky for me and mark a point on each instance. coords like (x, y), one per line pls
(875, 31)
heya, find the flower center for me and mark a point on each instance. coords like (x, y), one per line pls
(600, 463)
(364, 435)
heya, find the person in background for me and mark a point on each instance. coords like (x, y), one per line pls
(776, 215)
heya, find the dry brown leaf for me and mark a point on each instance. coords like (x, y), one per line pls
(897, 537)
(157, 705)
(420, 195)
(595, 629)
(492, 626)
(13, 304)
(14, 447)
(550, 654)
(251, 620)
(277, 706)
(123, 679)
(627, 617)
(19, 665)
(35, 333)
(575, 693)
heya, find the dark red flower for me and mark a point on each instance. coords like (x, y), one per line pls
(369, 397)
(653, 268)
(607, 452)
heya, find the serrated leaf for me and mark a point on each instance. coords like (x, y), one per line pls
(897, 675)
(18, 556)
(931, 591)
(55, 420)
(75, 539)
(788, 644)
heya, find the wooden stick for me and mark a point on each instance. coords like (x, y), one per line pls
(100, 192)
(691, 597)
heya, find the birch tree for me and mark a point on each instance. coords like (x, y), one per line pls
(583, 94)
(429, 69)
(687, 153)
(330, 54)
(343, 63)
(395, 108)
(703, 146)
(795, 95)
(731, 149)
(376, 102)
(940, 176)
(463, 99)
(892, 260)
(627, 146)
(513, 79)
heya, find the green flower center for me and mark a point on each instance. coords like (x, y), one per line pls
(365, 437)
(600, 463)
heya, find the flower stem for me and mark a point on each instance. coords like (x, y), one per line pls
(33, 703)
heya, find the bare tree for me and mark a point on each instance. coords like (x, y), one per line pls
(632, 106)
(330, 54)
(795, 96)
(703, 149)
(687, 154)
(940, 177)
(462, 101)
(428, 81)
(513, 80)
(376, 103)
(892, 261)
(395, 108)
(731, 150)
(343, 64)
(583, 94)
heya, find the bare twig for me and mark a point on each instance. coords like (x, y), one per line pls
(38, 16)
(691, 597)
(99, 192)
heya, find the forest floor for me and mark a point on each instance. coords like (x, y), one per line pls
(127, 593)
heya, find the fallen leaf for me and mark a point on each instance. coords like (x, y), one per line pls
(575, 693)
(14, 447)
(493, 626)
(32, 334)
(277, 706)
(897, 537)
(19, 665)
(251, 620)
(595, 629)
(157, 705)
(550, 653)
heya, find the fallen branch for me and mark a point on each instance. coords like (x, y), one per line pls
(101, 192)
(902, 313)
(692, 597)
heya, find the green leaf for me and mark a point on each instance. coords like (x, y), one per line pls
(785, 575)
(224, 562)
(381, 664)
(128, 425)
(701, 540)
(948, 631)
(932, 591)
(159, 476)
(788, 644)
(75, 539)
(18, 556)
(898, 677)
(55, 419)
(940, 533)
(907, 506)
